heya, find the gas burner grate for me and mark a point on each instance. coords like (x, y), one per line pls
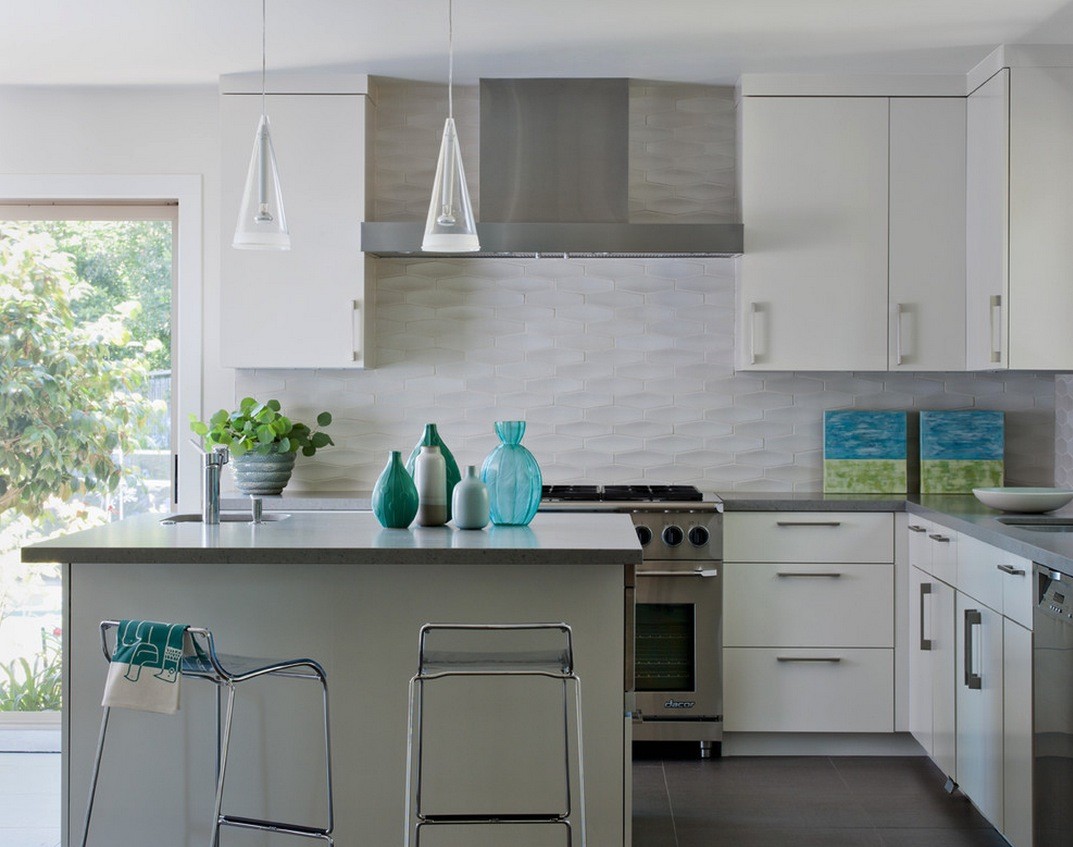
(621, 493)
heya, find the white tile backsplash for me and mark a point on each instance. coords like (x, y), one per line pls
(632, 407)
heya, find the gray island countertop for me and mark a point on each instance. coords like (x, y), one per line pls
(351, 538)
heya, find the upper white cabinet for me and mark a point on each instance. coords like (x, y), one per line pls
(306, 307)
(987, 283)
(1019, 203)
(814, 205)
(927, 234)
(854, 233)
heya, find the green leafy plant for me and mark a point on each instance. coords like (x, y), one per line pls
(36, 686)
(256, 427)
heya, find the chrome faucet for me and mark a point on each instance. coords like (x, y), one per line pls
(215, 459)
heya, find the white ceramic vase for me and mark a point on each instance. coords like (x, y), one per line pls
(469, 503)
(430, 477)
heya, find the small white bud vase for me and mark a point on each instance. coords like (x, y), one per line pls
(470, 501)
(430, 477)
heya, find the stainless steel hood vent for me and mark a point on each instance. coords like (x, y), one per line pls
(554, 163)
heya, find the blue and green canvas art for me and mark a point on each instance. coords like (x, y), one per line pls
(961, 450)
(865, 452)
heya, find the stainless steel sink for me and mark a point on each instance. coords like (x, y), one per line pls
(225, 517)
(1040, 524)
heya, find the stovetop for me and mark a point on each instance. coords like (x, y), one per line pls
(621, 493)
(627, 497)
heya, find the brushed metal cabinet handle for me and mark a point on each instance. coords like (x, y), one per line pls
(914, 528)
(754, 309)
(973, 618)
(899, 311)
(355, 317)
(807, 523)
(995, 305)
(1011, 570)
(834, 660)
(941, 538)
(925, 590)
(831, 574)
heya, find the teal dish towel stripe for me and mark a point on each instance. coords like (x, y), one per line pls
(146, 666)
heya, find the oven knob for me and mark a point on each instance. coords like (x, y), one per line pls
(672, 535)
(699, 536)
(644, 535)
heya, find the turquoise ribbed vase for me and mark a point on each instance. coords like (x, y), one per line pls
(513, 477)
(395, 495)
(431, 438)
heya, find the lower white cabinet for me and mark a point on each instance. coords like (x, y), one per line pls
(808, 690)
(1017, 734)
(979, 706)
(932, 653)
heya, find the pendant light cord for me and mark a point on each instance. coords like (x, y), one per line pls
(264, 110)
(450, 60)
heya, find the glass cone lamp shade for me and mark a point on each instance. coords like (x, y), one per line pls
(450, 227)
(262, 223)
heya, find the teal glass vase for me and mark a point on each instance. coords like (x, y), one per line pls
(513, 477)
(431, 438)
(395, 495)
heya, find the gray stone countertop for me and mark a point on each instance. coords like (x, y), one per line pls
(810, 501)
(348, 538)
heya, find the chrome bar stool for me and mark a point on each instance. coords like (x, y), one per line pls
(227, 671)
(462, 650)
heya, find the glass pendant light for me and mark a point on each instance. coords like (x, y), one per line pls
(262, 223)
(449, 227)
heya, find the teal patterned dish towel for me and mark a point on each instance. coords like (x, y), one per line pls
(145, 669)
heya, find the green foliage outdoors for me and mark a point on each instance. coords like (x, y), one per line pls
(262, 428)
(70, 391)
(123, 261)
(35, 686)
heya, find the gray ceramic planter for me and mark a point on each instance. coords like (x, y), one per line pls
(262, 473)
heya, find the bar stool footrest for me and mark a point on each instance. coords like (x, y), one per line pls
(498, 817)
(274, 826)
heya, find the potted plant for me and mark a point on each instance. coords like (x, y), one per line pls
(263, 442)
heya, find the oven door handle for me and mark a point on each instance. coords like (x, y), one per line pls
(702, 572)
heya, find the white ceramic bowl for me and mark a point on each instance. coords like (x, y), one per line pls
(1024, 499)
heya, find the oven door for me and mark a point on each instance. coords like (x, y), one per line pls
(678, 671)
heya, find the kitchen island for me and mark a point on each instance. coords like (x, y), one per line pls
(339, 588)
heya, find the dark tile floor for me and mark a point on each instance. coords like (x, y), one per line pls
(802, 802)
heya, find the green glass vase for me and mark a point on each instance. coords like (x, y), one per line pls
(395, 495)
(431, 438)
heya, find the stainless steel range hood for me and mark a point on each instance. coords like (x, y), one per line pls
(554, 164)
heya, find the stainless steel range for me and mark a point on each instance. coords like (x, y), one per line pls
(673, 609)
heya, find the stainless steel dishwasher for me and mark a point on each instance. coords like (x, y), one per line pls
(1052, 672)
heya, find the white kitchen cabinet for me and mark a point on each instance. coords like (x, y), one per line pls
(1017, 734)
(979, 706)
(814, 204)
(307, 307)
(1019, 200)
(817, 654)
(986, 243)
(854, 234)
(927, 234)
(932, 668)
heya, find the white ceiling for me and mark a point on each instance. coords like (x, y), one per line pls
(116, 42)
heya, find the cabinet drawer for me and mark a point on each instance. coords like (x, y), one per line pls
(863, 537)
(808, 605)
(944, 553)
(920, 546)
(793, 690)
(978, 573)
